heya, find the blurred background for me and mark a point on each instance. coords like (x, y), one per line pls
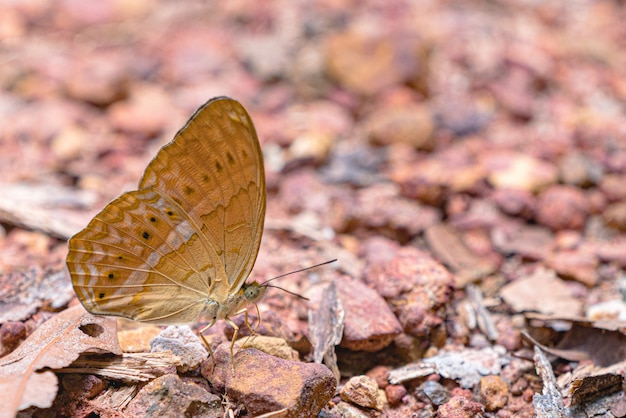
(437, 101)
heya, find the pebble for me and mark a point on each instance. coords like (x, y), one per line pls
(171, 396)
(494, 393)
(182, 342)
(562, 207)
(370, 325)
(264, 383)
(362, 391)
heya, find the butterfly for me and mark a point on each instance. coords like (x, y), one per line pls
(183, 244)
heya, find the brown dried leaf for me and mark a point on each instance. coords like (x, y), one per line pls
(54, 345)
(585, 341)
(449, 247)
(23, 292)
(554, 296)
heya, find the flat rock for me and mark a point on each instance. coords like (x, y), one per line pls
(362, 391)
(511, 170)
(171, 396)
(418, 287)
(182, 342)
(370, 325)
(264, 383)
(562, 207)
(578, 264)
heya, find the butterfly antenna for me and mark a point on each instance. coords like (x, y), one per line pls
(297, 271)
(288, 291)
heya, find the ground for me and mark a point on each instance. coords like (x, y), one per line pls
(463, 161)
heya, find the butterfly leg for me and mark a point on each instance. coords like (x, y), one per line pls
(206, 343)
(232, 343)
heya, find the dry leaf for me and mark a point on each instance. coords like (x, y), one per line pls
(55, 344)
(601, 342)
(553, 298)
(24, 292)
(448, 247)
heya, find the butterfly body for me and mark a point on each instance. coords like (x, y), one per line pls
(249, 294)
(183, 244)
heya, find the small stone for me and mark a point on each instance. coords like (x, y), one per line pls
(145, 113)
(395, 393)
(69, 143)
(182, 342)
(369, 323)
(579, 265)
(362, 391)
(433, 392)
(514, 92)
(100, 80)
(137, 340)
(460, 407)
(615, 216)
(409, 124)
(612, 185)
(400, 218)
(12, 333)
(368, 62)
(515, 202)
(577, 169)
(611, 310)
(380, 374)
(346, 410)
(494, 393)
(264, 383)
(562, 207)
(418, 286)
(170, 396)
(87, 386)
(273, 346)
(518, 171)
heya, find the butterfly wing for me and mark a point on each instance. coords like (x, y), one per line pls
(142, 258)
(190, 233)
(219, 182)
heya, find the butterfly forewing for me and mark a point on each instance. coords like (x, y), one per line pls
(190, 233)
(220, 183)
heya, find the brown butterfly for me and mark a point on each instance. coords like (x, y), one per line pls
(183, 244)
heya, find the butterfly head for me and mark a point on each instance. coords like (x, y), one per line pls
(253, 292)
